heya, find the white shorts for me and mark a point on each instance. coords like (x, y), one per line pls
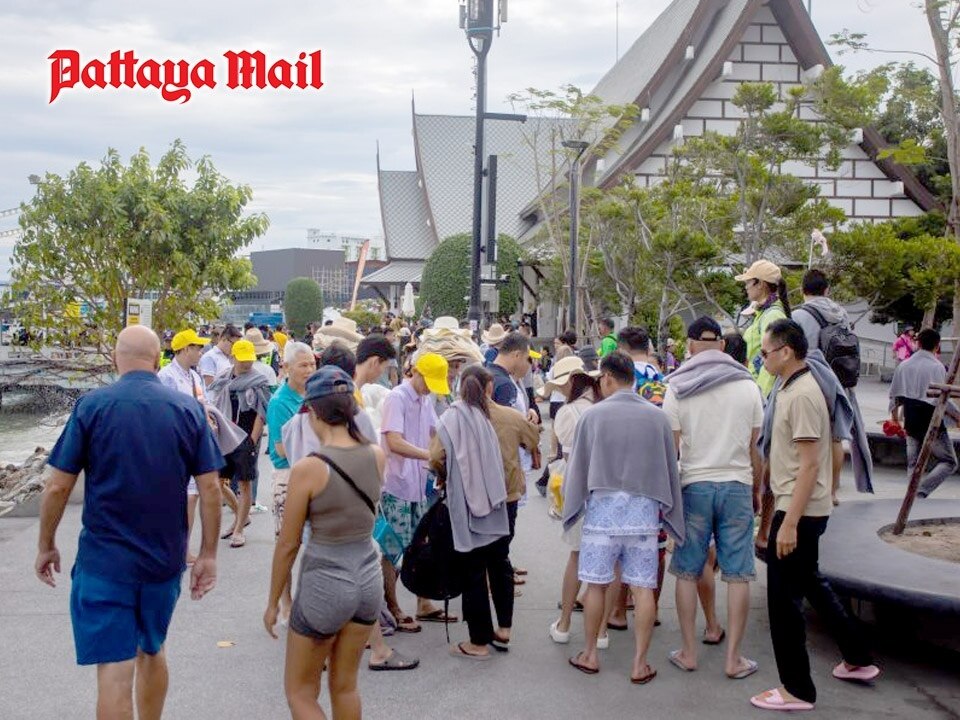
(192, 487)
(638, 556)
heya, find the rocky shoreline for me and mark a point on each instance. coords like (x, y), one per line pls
(19, 484)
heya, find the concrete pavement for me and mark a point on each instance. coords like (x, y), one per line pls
(39, 680)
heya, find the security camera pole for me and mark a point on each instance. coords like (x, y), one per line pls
(476, 17)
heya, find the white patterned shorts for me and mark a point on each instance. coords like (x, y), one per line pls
(638, 556)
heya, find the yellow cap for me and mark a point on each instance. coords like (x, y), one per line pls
(243, 351)
(185, 338)
(535, 355)
(434, 368)
(280, 339)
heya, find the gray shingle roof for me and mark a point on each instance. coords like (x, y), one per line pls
(684, 76)
(634, 71)
(445, 158)
(397, 272)
(406, 218)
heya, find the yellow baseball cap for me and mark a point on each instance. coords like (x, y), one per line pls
(535, 355)
(243, 351)
(185, 338)
(434, 368)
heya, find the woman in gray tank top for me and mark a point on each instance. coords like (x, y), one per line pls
(340, 589)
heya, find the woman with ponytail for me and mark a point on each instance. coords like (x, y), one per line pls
(474, 454)
(767, 290)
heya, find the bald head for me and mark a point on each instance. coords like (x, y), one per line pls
(138, 348)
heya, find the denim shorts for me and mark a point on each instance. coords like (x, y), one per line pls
(722, 511)
(112, 620)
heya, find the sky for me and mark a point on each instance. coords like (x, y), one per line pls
(310, 155)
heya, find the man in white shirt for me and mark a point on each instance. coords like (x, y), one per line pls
(716, 412)
(217, 359)
(179, 375)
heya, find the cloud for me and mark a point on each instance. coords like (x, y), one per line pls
(310, 155)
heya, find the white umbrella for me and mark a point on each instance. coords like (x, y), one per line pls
(407, 305)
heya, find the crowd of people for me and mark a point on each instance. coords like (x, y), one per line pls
(367, 431)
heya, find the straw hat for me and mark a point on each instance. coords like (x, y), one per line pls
(446, 322)
(494, 335)
(343, 330)
(260, 344)
(563, 371)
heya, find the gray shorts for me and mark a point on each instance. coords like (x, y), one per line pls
(339, 584)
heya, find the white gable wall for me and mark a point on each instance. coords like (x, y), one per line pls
(858, 187)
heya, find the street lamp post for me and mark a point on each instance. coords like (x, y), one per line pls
(476, 17)
(580, 147)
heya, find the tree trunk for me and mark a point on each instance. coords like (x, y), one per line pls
(940, 33)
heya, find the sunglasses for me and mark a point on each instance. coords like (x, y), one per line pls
(766, 353)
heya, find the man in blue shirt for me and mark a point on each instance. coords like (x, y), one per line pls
(138, 443)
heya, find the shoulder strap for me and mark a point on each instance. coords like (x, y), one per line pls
(817, 315)
(363, 496)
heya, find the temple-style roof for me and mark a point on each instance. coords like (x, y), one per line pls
(407, 229)
(397, 272)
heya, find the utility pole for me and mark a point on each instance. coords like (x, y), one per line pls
(477, 19)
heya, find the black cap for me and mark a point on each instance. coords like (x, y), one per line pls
(705, 328)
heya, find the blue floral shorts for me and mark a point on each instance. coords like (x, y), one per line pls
(638, 556)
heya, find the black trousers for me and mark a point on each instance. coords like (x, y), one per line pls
(789, 581)
(491, 561)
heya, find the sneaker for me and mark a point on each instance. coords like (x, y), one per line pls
(258, 509)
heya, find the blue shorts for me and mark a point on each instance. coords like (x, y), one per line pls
(112, 620)
(722, 511)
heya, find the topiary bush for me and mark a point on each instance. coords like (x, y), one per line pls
(446, 276)
(302, 304)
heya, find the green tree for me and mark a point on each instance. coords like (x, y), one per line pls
(302, 304)
(905, 269)
(100, 236)
(446, 276)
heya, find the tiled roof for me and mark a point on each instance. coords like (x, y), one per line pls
(445, 158)
(397, 272)
(624, 82)
(684, 78)
(406, 220)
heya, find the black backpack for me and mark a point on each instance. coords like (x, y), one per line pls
(431, 567)
(840, 347)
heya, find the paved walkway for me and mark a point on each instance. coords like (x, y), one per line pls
(39, 681)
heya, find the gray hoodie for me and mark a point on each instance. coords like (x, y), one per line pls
(832, 313)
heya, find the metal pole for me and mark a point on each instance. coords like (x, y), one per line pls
(574, 227)
(485, 40)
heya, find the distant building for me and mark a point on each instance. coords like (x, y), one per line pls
(349, 244)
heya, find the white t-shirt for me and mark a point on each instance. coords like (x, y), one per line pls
(715, 429)
(213, 363)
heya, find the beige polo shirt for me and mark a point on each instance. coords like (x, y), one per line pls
(800, 414)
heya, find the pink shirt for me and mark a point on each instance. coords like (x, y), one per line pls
(414, 417)
(904, 347)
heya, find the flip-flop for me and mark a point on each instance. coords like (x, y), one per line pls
(577, 606)
(234, 543)
(575, 661)
(720, 638)
(857, 674)
(611, 626)
(458, 651)
(644, 679)
(674, 658)
(396, 661)
(407, 620)
(750, 669)
(437, 616)
(229, 534)
(517, 580)
(775, 701)
(520, 571)
(499, 644)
